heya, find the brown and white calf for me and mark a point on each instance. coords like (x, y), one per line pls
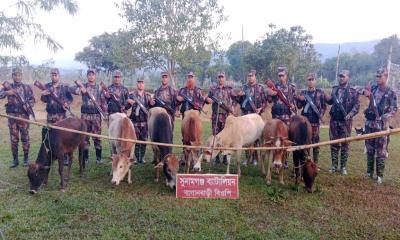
(191, 129)
(239, 132)
(275, 135)
(120, 126)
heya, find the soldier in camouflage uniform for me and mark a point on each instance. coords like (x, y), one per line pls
(192, 92)
(15, 108)
(386, 107)
(55, 111)
(279, 109)
(341, 121)
(166, 94)
(119, 91)
(139, 117)
(252, 93)
(90, 114)
(317, 96)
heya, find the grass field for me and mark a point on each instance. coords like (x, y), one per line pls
(349, 207)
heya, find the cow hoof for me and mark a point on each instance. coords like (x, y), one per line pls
(62, 190)
(268, 183)
(282, 183)
(129, 182)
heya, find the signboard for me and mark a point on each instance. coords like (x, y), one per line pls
(207, 186)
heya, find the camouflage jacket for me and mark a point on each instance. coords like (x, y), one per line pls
(13, 105)
(278, 107)
(386, 102)
(63, 93)
(194, 95)
(167, 95)
(258, 96)
(122, 95)
(318, 98)
(348, 98)
(225, 94)
(137, 114)
(88, 106)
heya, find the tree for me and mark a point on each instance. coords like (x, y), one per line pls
(196, 60)
(161, 30)
(17, 22)
(382, 49)
(281, 47)
(108, 52)
(235, 56)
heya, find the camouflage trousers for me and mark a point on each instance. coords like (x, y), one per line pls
(285, 118)
(218, 126)
(55, 117)
(18, 128)
(141, 131)
(376, 147)
(93, 123)
(339, 129)
(315, 127)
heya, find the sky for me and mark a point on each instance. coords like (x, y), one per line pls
(328, 21)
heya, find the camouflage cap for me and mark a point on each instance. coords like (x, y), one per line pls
(282, 69)
(382, 71)
(164, 74)
(344, 73)
(117, 73)
(252, 72)
(91, 70)
(221, 74)
(55, 71)
(312, 75)
(141, 79)
(16, 70)
(190, 74)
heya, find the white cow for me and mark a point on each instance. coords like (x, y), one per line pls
(239, 132)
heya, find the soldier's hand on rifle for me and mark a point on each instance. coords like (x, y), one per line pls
(131, 101)
(45, 92)
(348, 117)
(241, 93)
(10, 92)
(366, 93)
(65, 105)
(301, 98)
(152, 102)
(83, 90)
(179, 98)
(272, 92)
(209, 100)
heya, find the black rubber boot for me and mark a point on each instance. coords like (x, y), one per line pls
(26, 159)
(86, 156)
(142, 152)
(137, 154)
(98, 156)
(15, 161)
(370, 165)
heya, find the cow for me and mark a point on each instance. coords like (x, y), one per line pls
(56, 143)
(191, 129)
(120, 126)
(275, 134)
(300, 134)
(238, 132)
(160, 130)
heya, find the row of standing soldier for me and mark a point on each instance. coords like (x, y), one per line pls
(252, 98)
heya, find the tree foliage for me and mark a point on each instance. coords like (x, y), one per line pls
(235, 56)
(17, 22)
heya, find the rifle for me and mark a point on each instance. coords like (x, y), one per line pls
(91, 97)
(280, 95)
(163, 104)
(190, 101)
(112, 96)
(54, 96)
(314, 108)
(141, 106)
(223, 105)
(341, 108)
(372, 101)
(249, 99)
(26, 105)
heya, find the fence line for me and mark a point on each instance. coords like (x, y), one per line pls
(288, 148)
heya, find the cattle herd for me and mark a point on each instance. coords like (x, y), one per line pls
(241, 131)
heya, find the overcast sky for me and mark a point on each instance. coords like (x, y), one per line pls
(328, 21)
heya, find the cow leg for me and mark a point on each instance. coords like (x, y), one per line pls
(81, 162)
(70, 155)
(238, 162)
(262, 164)
(60, 158)
(296, 162)
(281, 176)
(228, 163)
(129, 176)
(269, 159)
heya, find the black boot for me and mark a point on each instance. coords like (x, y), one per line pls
(142, 152)
(15, 161)
(137, 153)
(26, 159)
(98, 156)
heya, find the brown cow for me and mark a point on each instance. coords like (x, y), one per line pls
(275, 135)
(191, 135)
(55, 145)
(120, 126)
(300, 134)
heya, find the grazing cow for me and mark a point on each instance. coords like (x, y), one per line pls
(160, 130)
(300, 134)
(191, 135)
(239, 132)
(120, 126)
(56, 143)
(275, 135)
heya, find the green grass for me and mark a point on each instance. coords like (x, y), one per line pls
(348, 207)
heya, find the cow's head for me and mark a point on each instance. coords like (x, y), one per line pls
(37, 173)
(310, 172)
(120, 167)
(211, 153)
(279, 155)
(170, 165)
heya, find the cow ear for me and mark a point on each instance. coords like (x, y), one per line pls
(159, 165)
